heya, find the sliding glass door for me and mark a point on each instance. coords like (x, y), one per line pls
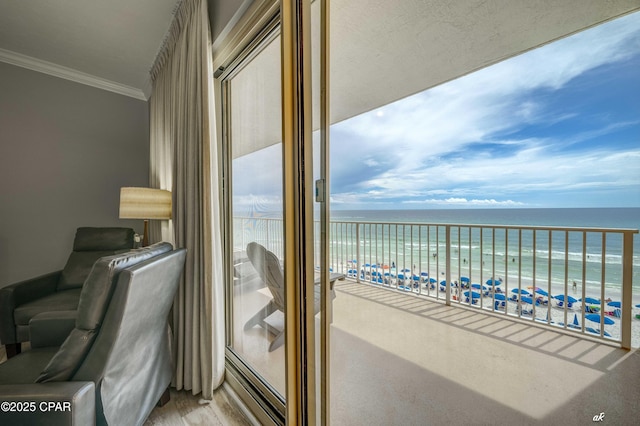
(251, 89)
(275, 147)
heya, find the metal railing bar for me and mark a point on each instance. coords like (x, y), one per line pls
(602, 282)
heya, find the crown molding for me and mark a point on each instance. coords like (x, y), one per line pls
(59, 71)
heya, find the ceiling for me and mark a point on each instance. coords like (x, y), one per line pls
(381, 51)
(110, 44)
(114, 41)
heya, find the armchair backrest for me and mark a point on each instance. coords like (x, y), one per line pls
(89, 245)
(94, 301)
(130, 361)
(268, 267)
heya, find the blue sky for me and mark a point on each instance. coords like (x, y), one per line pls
(555, 127)
(558, 126)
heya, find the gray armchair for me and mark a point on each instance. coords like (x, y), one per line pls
(115, 363)
(59, 290)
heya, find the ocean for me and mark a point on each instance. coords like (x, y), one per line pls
(411, 246)
(569, 217)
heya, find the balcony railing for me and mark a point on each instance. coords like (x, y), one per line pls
(577, 279)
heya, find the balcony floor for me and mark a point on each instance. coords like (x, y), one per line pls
(436, 364)
(401, 359)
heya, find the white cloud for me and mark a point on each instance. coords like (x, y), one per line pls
(419, 136)
(505, 179)
(488, 101)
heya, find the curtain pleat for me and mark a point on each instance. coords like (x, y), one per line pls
(182, 155)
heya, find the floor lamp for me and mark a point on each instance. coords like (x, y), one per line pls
(145, 203)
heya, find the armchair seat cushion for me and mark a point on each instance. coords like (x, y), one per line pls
(66, 300)
(27, 367)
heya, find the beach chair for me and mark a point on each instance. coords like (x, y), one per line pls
(590, 309)
(416, 281)
(400, 280)
(268, 267)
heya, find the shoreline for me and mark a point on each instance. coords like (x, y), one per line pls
(509, 282)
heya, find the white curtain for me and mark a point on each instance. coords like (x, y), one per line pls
(183, 158)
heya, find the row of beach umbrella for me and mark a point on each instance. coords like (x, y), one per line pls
(491, 282)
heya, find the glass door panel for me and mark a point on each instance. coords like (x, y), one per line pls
(252, 99)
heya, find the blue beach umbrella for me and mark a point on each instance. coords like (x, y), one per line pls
(526, 299)
(591, 301)
(464, 279)
(596, 318)
(478, 286)
(499, 296)
(474, 295)
(494, 282)
(615, 304)
(565, 298)
(443, 283)
(522, 291)
(433, 280)
(541, 291)
(424, 274)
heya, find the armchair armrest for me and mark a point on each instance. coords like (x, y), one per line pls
(18, 294)
(51, 328)
(55, 403)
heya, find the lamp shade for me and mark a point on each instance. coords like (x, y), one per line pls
(145, 203)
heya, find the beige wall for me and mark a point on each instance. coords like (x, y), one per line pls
(65, 150)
